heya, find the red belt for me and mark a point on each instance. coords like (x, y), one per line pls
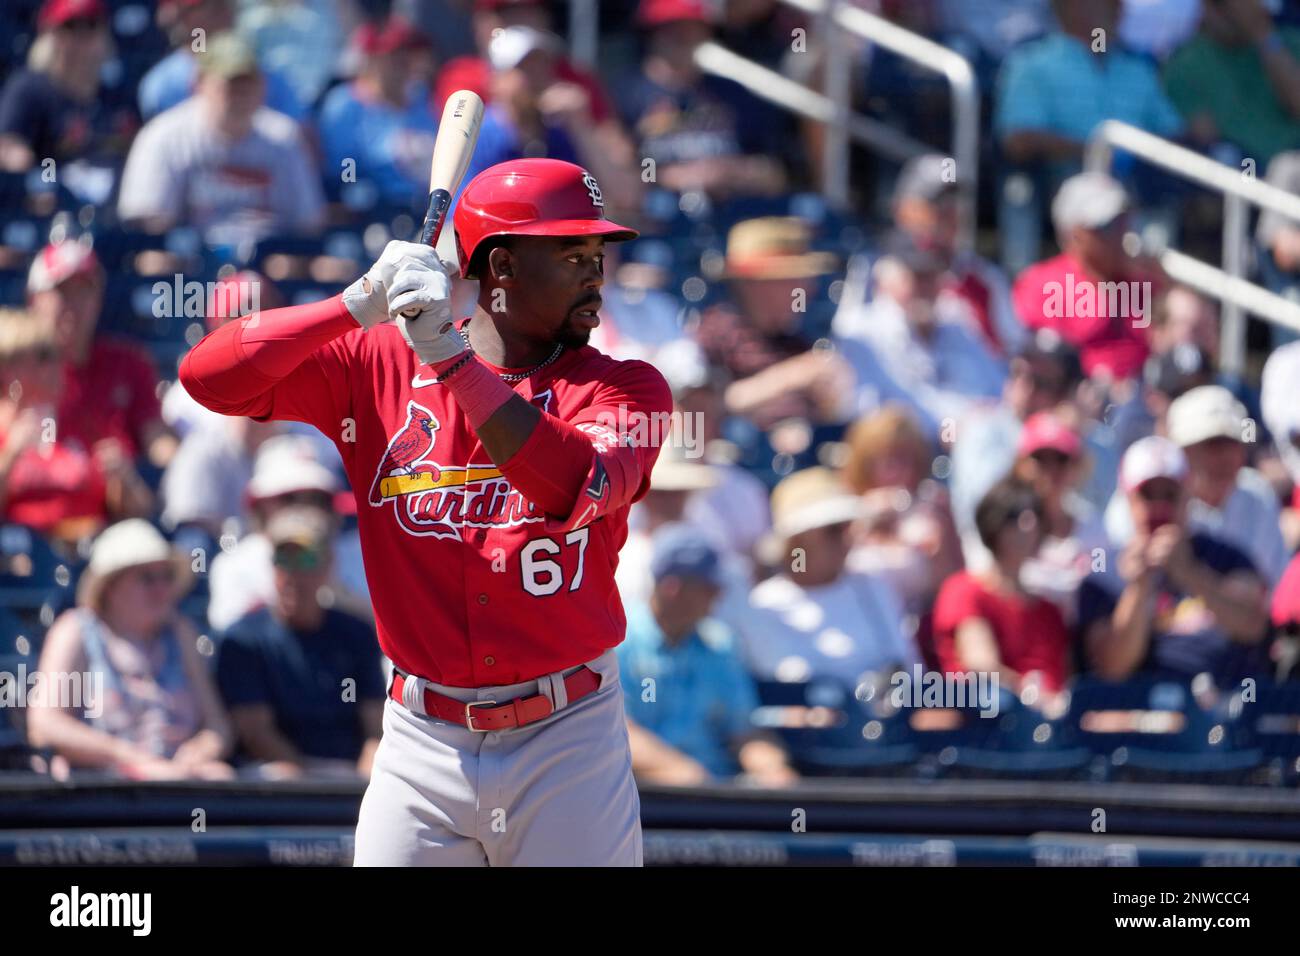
(482, 716)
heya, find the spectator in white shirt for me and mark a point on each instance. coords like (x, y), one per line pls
(815, 619)
(917, 343)
(928, 210)
(1227, 500)
(221, 161)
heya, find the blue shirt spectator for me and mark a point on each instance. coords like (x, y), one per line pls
(688, 697)
(390, 145)
(1058, 87)
(382, 121)
(302, 681)
(499, 141)
(1058, 84)
(693, 693)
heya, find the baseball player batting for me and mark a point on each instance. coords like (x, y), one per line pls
(492, 498)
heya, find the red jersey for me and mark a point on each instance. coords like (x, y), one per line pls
(56, 488)
(114, 395)
(1060, 294)
(1030, 631)
(472, 583)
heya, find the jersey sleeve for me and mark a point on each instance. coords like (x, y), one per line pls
(291, 364)
(611, 445)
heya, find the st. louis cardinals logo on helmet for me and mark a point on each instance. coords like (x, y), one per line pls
(593, 190)
(430, 498)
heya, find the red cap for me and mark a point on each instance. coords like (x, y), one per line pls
(55, 13)
(58, 262)
(376, 39)
(653, 13)
(531, 197)
(1046, 431)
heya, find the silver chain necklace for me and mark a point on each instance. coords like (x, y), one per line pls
(520, 376)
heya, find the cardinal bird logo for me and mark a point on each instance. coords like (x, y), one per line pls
(439, 499)
(408, 447)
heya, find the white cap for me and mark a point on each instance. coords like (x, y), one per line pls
(1090, 200)
(60, 261)
(683, 365)
(1205, 412)
(127, 544)
(1151, 457)
(284, 466)
(512, 45)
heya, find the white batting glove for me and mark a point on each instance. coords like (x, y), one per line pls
(430, 332)
(367, 298)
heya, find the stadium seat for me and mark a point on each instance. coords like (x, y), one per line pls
(32, 575)
(1156, 730)
(828, 730)
(1274, 718)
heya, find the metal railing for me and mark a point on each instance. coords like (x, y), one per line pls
(832, 106)
(836, 15)
(777, 88)
(1236, 293)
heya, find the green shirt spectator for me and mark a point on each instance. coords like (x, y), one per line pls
(1239, 79)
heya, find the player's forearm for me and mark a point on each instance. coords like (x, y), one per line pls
(545, 458)
(233, 369)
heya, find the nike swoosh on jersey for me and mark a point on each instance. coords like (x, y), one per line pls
(419, 382)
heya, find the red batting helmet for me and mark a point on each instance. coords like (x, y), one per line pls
(530, 197)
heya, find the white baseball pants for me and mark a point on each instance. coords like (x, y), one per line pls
(558, 792)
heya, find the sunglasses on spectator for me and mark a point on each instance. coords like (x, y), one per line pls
(1159, 491)
(1051, 458)
(317, 498)
(81, 25)
(151, 577)
(294, 558)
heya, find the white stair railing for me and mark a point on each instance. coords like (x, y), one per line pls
(1237, 294)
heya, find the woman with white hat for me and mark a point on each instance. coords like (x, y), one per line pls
(815, 619)
(121, 685)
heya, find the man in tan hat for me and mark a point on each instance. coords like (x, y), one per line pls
(814, 618)
(761, 337)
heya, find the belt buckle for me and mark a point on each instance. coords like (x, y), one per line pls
(469, 715)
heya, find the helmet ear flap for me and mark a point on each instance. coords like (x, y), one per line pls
(466, 267)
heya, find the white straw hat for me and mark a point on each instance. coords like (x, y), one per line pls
(128, 544)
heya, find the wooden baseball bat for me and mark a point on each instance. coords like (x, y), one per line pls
(462, 118)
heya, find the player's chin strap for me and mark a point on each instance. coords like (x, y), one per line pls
(482, 716)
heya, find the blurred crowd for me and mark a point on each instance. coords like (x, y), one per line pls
(894, 450)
